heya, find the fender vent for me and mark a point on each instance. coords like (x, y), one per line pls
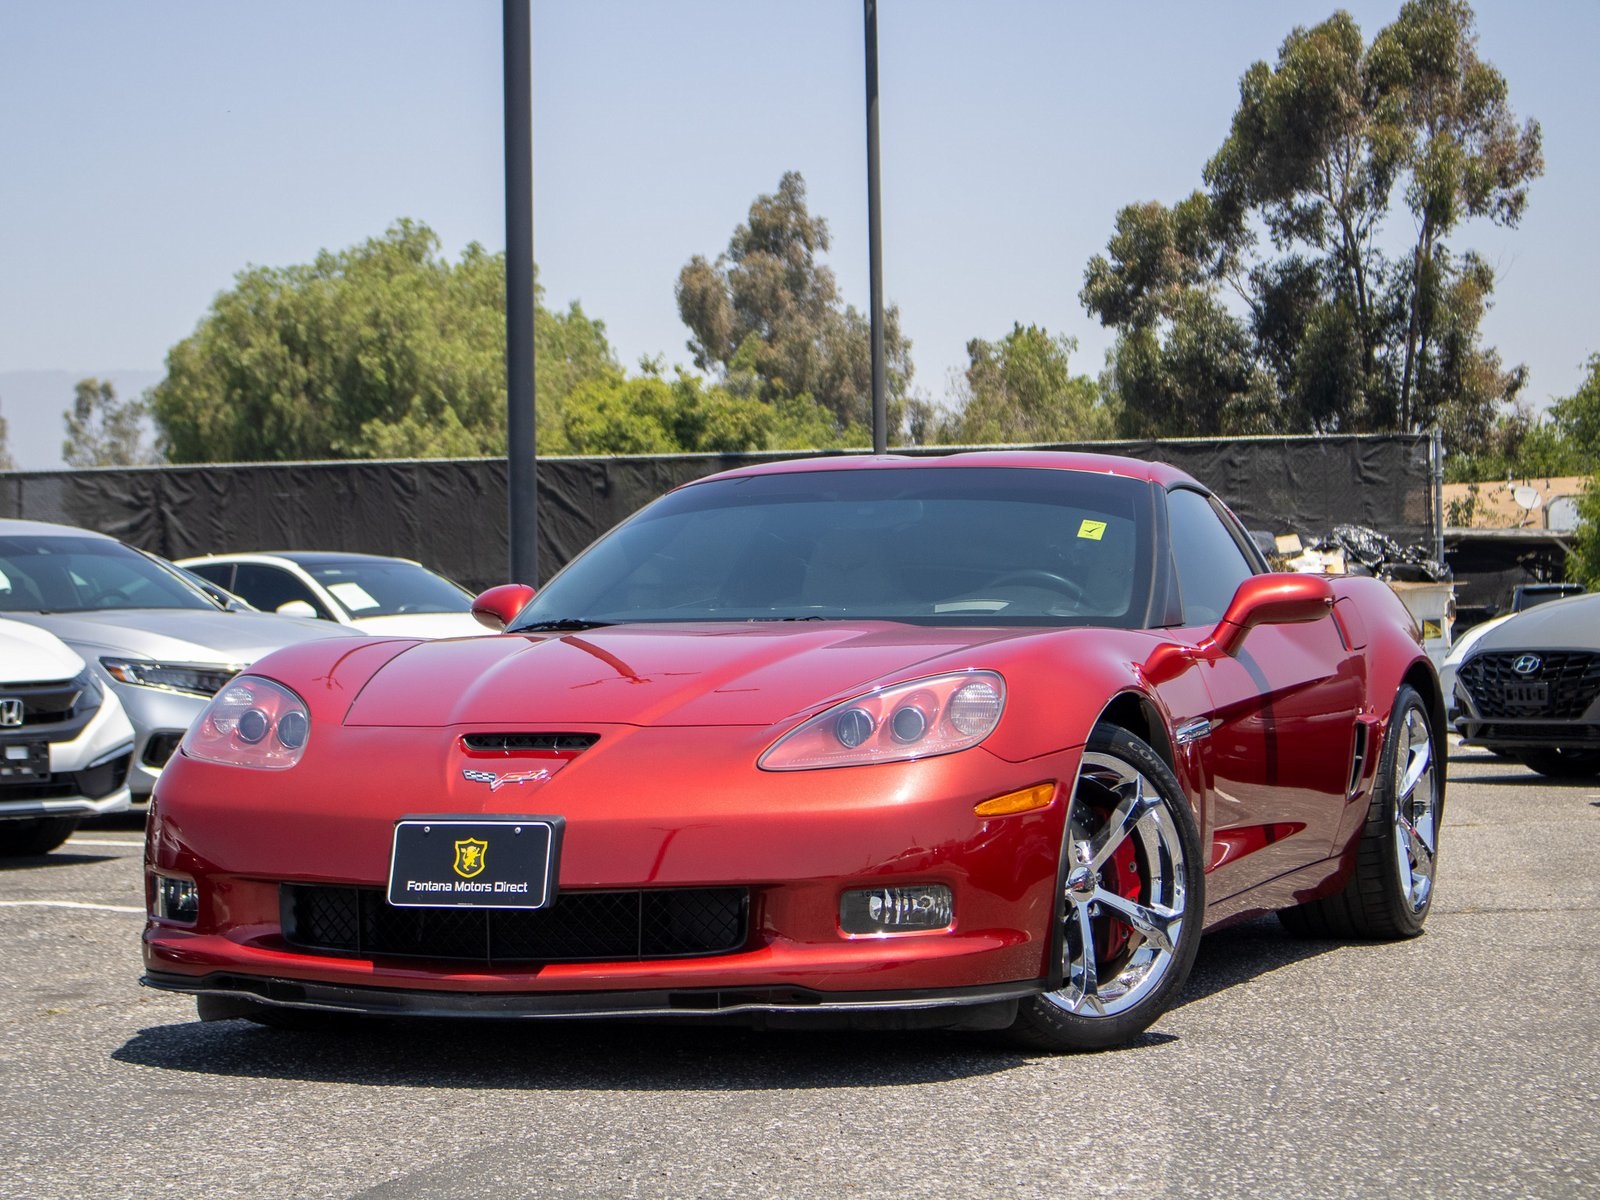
(1358, 760)
(515, 743)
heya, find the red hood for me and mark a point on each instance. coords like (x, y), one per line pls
(653, 675)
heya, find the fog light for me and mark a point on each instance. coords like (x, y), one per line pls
(177, 899)
(897, 909)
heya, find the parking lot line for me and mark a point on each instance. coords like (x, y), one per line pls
(90, 842)
(119, 908)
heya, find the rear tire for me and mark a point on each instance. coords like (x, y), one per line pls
(1391, 889)
(1557, 763)
(34, 835)
(1134, 902)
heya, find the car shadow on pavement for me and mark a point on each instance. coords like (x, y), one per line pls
(1239, 953)
(56, 858)
(569, 1056)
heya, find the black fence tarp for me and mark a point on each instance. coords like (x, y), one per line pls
(451, 513)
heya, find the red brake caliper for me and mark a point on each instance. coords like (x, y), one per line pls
(1120, 875)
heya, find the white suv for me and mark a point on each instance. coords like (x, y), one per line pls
(65, 743)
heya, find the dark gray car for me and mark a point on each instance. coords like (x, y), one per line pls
(1530, 688)
(161, 643)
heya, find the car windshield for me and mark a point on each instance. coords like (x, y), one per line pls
(46, 573)
(932, 545)
(386, 588)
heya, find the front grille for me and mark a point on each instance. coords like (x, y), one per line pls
(1533, 733)
(45, 703)
(580, 926)
(1573, 679)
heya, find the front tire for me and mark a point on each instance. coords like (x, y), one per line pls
(34, 835)
(1557, 763)
(1391, 889)
(1133, 903)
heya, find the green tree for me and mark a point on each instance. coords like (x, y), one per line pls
(652, 415)
(1290, 223)
(767, 315)
(1021, 389)
(385, 349)
(103, 431)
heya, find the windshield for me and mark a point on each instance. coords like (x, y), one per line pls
(970, 545)
(86, 574)
(386, 588)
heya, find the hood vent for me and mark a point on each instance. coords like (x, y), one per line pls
(525, 743)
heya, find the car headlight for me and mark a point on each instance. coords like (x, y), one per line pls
(253, 722)
(893, 724)
(197, 679)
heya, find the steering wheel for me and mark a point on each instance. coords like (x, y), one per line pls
(1069, 588)
(110, 598)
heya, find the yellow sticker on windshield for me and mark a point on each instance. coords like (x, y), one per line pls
(1093, 530)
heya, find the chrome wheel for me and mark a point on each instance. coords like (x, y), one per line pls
(1416, 808)
(1127, 890)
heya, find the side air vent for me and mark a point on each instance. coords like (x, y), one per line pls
(514, 743)
(1358, 760)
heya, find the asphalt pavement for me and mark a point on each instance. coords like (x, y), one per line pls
(1464, 1063)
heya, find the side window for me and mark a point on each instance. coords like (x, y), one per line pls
(1209, 564)
(269, 588)
(220, 574)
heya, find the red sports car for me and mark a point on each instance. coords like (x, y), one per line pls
(982, 741)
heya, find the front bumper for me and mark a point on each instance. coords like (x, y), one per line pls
(975, 1008)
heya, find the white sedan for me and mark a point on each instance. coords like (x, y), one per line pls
(393, 597)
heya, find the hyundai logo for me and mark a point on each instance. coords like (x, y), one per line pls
(1526, 664)
(10, 713)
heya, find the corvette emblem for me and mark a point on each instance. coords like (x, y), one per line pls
(471, 857)
(1527, 664)
(496, 782)
(10, 712)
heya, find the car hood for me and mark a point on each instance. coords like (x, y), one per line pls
(30, 655)
(183, 635)
(1572, 624)
(657, 675)
(421, 625)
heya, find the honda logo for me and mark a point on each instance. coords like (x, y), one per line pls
(10, 713)
(1526, 664)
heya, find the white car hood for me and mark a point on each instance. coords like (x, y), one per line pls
(185, 635)
(422, 625)
(30, 655)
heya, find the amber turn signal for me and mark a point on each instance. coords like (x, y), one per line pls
(1038, 796)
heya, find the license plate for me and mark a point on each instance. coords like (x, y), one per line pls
(476, 862)
(24, 762)
(1527, 695)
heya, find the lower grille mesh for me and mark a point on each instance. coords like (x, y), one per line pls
(626, 926)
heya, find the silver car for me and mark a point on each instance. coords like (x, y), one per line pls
(161, 643)
(1530, 688)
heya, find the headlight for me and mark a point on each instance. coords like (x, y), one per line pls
(253, 722)
(198, 679)
(910, 720)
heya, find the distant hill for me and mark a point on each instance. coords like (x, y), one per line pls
(34, 404)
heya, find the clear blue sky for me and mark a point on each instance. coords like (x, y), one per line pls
(148, 152)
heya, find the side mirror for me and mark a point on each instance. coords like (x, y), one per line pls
(498, 607)
(1278, 599)
(295, 608)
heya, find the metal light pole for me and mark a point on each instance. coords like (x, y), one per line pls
(880, 412)
(521, 460)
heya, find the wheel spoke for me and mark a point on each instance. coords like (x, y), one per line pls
(1123, 820)
(1415, 839)
(1157, 925)
(1419, 758)
(1086, 969)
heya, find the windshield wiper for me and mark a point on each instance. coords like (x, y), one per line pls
(564, 625)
